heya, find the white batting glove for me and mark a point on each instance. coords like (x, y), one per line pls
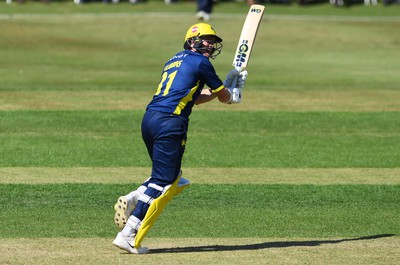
(241, 80)
(236, 95)
(230, 77)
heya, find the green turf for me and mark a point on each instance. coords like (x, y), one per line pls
(86, 49)
(85, 210)
(125, 52)
(223, 6)
(252, 139)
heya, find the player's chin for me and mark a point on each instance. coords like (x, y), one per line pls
(207, 53)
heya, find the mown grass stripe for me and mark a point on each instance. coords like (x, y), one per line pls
(252, 139)
(279, 99)
(117, 122)
(129, 175)
(261, 151)
(86, 210)
(187, 15)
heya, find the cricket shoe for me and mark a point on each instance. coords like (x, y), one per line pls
(201, 15)
(128, 244)
(123, 209)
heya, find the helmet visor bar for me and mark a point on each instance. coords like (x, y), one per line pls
(214, 51)
(209, 44)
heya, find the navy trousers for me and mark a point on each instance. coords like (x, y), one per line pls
(205, 5)
(165, 138)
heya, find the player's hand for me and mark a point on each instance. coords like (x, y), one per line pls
(232, 75)
(236, 95)
(241, 80)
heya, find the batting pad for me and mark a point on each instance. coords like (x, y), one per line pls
(157, 206)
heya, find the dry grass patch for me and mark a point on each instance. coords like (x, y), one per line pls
(74, 100)
(323, 176)
(362, 100)
(384, 249)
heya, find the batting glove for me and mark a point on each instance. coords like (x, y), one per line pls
(230, 77)
(236, 95)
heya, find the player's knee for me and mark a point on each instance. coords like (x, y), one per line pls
(153, 191)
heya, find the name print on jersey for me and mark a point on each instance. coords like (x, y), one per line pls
(173, 65)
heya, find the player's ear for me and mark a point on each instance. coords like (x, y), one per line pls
(188, 44)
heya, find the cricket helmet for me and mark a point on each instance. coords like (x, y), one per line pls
(193, 39)
(202, 29)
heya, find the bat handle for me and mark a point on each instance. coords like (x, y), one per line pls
(239, 68)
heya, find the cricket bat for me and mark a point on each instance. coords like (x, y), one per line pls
(247, 37)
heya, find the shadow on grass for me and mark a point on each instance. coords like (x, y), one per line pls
(266, 245)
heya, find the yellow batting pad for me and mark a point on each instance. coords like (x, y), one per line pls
(157, 206)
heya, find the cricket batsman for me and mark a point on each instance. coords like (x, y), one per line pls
(187, 78)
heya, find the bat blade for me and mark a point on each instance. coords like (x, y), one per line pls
(247, 37)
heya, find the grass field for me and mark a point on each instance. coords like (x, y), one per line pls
(305, 171)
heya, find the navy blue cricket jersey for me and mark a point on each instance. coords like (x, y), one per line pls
(182, 80)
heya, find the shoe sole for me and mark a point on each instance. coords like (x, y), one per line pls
(121, 215)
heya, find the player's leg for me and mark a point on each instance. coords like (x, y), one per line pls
(134, 232)
(167, 153)
(125, 205)
(166, 174)
(126, 238)
(156, 207)
(204, 8)
(165, 139)
(166, 157)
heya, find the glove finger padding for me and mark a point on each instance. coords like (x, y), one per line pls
(230, 77)
(236, 95)
(242, 80)
(244, 74)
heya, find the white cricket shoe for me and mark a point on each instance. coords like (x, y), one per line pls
(128, 244)
(201, 15)
(123, 209)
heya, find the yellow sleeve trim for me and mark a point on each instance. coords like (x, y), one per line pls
(218, 89)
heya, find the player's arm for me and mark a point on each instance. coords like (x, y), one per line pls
(206, 95)
(230, 92)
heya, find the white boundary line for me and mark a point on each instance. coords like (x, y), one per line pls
(216, 16)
